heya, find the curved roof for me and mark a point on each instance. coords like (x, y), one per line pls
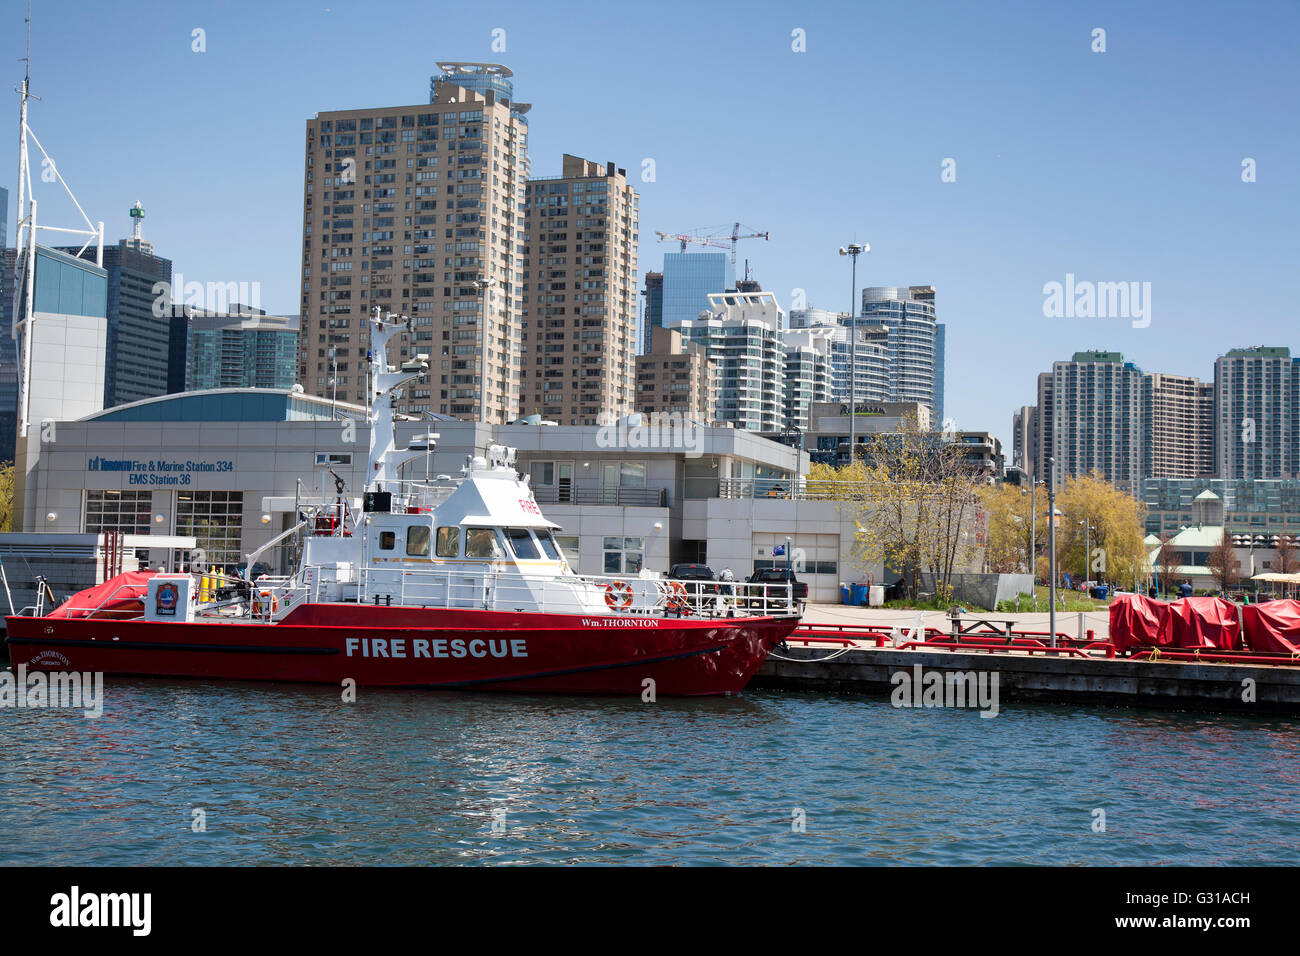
(229, 405)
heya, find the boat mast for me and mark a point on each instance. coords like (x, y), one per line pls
(385, 460)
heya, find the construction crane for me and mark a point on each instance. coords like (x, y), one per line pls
(714, 240)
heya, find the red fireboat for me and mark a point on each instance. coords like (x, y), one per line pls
(454, 584)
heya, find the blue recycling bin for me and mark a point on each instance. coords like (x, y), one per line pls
(846, 595)
(860, 595)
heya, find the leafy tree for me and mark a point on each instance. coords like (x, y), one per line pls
(6, 496)
(1114, 535)
(1167, 562)
(1007, 548)
(915, 506)
(1286, 560)
(1222, 563)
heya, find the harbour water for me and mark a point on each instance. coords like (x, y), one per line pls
(293, 775)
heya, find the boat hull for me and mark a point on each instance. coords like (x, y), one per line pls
(418, 647)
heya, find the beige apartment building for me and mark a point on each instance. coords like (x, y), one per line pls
(580, 292)
(676, 376)
(1180, 424)
(419, 210)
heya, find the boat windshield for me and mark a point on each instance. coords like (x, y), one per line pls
(522, 544)
(549, 547)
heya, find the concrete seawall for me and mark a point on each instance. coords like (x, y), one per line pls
(1068, 680)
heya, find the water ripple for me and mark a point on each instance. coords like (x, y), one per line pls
(293, 775)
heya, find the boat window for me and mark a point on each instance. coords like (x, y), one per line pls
(448, 542)
(417, 540)
(549, 547)
(387, 539)
(521, 543)
(480, 543)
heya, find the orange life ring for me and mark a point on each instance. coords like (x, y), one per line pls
(260, 603)
(618, 595)
(678, 599)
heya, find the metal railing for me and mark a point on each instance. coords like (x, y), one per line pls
(790, 488)
(579, 495)
(598, 595)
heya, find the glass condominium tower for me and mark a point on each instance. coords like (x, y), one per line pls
(689, 279)
(903, 319)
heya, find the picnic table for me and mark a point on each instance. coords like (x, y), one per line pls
(974, 625)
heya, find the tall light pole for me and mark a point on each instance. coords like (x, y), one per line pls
(1051, 527)
(1087, 549)
(853, 250)
(481, 286)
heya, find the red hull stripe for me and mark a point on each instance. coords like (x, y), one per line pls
(155, 646)
(640, 662)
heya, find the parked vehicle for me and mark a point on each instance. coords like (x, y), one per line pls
(777, 579)
(699, 578)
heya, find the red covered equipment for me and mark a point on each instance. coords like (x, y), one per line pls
(1137, 621)
(1273, 627)
(1210, 622)
(120, 596)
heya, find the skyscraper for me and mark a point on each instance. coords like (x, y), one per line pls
(654, 308)
(676, 377)
(136, 363)
(905, 321)
(1024, 440)
(740, 337)
(871, 380)
(420, 211)
(238, 351)
(1177, 426)
(1257, 406)
(1096, 420)
(808, 374)
(579, 295)
(689, 279)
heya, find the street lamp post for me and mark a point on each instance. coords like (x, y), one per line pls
(853, 250)
(481, 286)
(1051, 528)
(1087, 548)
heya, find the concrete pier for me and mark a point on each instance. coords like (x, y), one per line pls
(1068, 680)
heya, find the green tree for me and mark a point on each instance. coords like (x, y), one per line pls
(6, 496)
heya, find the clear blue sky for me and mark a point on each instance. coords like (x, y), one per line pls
(1115, 166)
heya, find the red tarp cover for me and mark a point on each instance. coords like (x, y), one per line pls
(1273, 627)
(122, 596)
(1206, 622)
(1137, 621)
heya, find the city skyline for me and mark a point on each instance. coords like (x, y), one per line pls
(1110, 180)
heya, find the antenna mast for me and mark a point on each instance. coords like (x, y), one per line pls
(25, 237)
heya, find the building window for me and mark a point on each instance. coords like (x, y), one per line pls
(214, 519)
(569, 545)
(125, 511)
(624, 555)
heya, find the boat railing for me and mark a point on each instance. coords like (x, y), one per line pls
(510, 590)
(416, 496)
(134, 591)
